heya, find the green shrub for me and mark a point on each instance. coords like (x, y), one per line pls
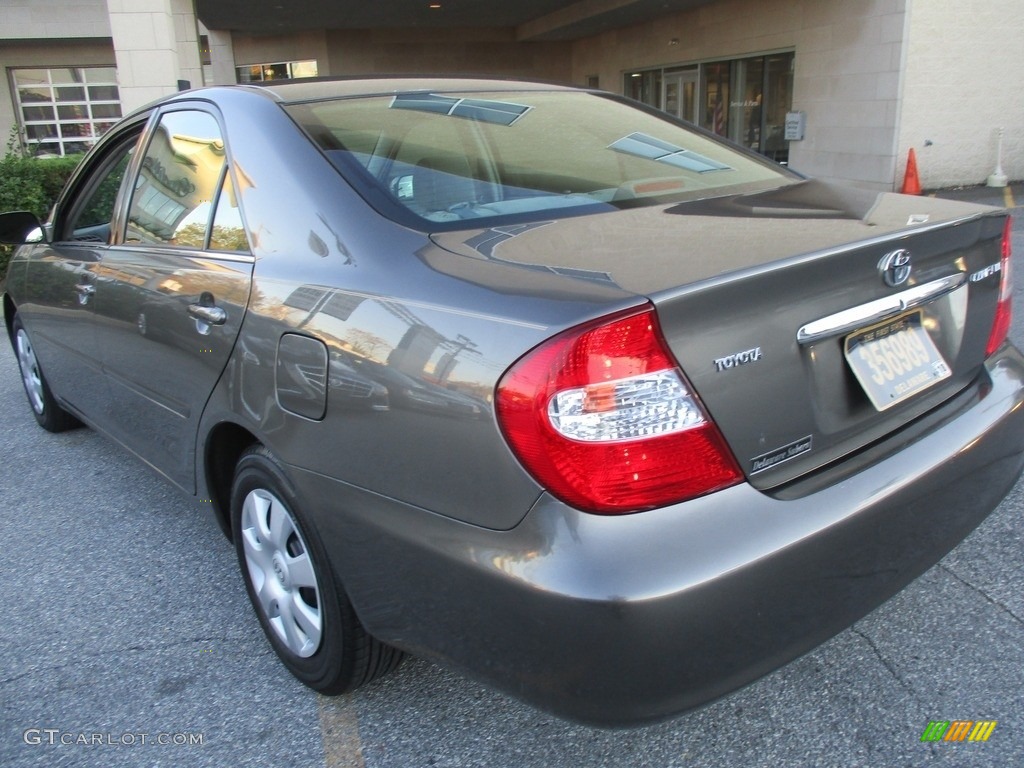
(31, 184)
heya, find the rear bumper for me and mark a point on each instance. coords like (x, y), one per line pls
(622, 620)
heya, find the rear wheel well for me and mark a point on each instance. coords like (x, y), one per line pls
(224, 447)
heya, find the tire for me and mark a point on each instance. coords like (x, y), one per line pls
(45, 408)
(301, 604)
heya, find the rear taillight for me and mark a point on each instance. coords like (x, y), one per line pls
(1004, 313)
(603, 418)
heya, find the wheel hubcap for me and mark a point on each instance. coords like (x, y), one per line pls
(30, 374)
(281, 572)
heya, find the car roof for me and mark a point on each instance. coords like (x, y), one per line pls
(316, 89)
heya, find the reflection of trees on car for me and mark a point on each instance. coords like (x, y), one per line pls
(366, 344)
(193, 234)
(101, 206)
(228, 238)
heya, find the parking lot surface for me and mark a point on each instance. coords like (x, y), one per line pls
(127, 640)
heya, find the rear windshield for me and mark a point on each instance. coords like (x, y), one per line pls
(440, 161)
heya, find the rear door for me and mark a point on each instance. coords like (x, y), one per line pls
(175, 290)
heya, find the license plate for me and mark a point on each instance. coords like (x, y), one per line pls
(895, 360)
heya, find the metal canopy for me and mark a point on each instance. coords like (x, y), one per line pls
(532, 19)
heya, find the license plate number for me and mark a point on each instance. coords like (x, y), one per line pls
(895, 360)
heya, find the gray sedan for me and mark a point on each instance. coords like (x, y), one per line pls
(529, 380)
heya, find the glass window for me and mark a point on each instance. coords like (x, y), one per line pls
(277, 71)
(75, 130)
(744, 99)
(281, 70)
(31, 77)
(72, 75)
(101, 75)
(300, 69)
(37, 113)
(103, 93)
(40, 132)
(249, 74)
(106, 110)
(58, 115)
(30, 95)
(715, 86)
(70, 94)
(228, 233)
(181, 171)
(452, 158)
(645, 87)
(71, 111)
(745, 107)
(90, 218)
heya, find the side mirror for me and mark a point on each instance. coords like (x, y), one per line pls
(20, 227)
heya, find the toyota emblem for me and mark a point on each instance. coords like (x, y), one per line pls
(895, 267)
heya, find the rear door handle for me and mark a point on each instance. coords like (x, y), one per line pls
(208, 315)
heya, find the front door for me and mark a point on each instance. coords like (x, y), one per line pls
(65, 276)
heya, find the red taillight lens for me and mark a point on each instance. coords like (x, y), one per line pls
(1004, 309)
(603, 418)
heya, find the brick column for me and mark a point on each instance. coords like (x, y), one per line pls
(156, 45)
(222, 57)
(186, 33)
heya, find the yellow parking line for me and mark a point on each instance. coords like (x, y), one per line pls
(339, 729)
(1008, 200)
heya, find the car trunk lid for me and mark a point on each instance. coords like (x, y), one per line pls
(788, 310)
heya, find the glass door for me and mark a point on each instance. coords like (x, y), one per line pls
(679, 94)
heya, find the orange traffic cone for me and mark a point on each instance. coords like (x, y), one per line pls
(911, 182)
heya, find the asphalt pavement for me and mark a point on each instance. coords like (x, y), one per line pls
(126, 639)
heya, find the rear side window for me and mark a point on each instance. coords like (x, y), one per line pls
(181, 174)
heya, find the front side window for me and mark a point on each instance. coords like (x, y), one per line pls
(91, 207)
(456, 160)
(178, 182)
(63, 111)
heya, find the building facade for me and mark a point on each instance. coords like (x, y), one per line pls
(838, 89)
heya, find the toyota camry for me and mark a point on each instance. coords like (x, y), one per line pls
(533, 381)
